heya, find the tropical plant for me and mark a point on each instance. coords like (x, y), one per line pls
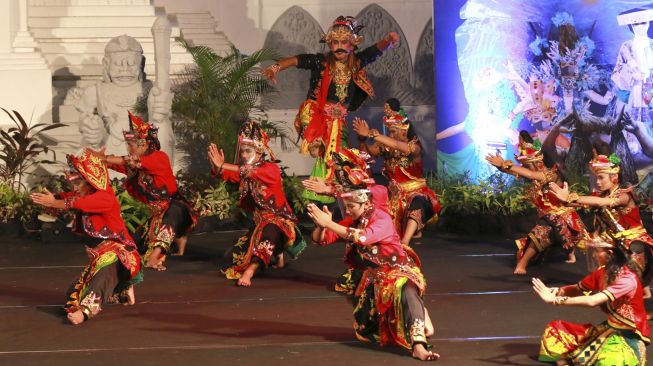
(20, 147)
(134, 212)
(15, 205)
(293, 188)
(214, 97)
(216, 201)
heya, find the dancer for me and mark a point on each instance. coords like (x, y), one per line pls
(351, 169)
(115, 266)
(390, 308)
(412, 202)
(339, 84)
(617, 213)
(556, 223)
(261, 193)
(150, 180)
(615, 286)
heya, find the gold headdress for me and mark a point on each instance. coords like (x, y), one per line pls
(602, 164)
(344, 28)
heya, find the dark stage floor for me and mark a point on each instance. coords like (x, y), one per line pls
(190, 315)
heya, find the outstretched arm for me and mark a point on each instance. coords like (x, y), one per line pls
(548, 295)
(450, 131)
(362, 129)
(563, 194)
(507, 166)
(47, 199)
(272, 71)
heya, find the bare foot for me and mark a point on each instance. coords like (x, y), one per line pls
(155, 260)
(421, 353)
(519, 271)
(281, 261)
(181, 246)
(131, 296)
(246, 279)
(429, 329)
(647, 292)
(571, 258)
(76, 317)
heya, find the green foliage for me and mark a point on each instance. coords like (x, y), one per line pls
(15, 205)
(496, 195)
(217, 201)
(20, 146)
(134, 213)
(293, 188)
(213, 98)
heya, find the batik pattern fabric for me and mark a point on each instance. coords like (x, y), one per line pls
(622, 223)
(556, 224)
(321, 118)
(150, 180)
(410, 197)
(97, 216)
(382, 313)
(621, 340)
(261, 194)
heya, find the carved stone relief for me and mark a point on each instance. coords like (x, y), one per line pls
(424, 73)
(295, 32)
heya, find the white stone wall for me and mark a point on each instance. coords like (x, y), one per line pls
(246, 22)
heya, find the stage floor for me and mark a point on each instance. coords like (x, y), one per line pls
(190, 315)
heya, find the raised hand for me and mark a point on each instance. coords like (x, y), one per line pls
(495, 160)
(562, 193)
(316, 185)
(216, 157)
(321, 217)
(45, 198)
(271, 73)
(361, 127)
(546, 294)
(393, 39)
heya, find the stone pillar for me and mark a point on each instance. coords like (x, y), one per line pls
(26, 79)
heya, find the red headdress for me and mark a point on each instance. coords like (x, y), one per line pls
(605, 164)
(352, 168)
(142, 132)
(89, 167)
(530, 152)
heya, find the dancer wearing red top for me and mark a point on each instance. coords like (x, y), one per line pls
(115, 266)
(615, 286)
(412, 203)
(150, 180)
(261, 194)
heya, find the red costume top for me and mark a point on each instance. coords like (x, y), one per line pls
(261, 190)
(150, 177)
(98, 215)
(622, 222)
(625, 307)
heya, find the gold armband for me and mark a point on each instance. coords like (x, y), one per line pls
(373, 134)
(560, 300)
(507, 165)
(573, 197)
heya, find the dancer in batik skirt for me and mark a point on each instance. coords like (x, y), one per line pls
(390, 308)
(412, 202)
(338, 85)
(262, 196)
(614, 286)
(556, 223)
(150, 180)
(115, 266)
(351, 168)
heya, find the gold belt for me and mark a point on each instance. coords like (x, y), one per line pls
(411, 186)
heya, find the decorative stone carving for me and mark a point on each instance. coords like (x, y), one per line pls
(103, 106)
(424, 64)
(391, 75)
(295, 32)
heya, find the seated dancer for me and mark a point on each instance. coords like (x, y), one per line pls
(115, 266)
(338, 85)
(616, 212)
(556, 223)
(351, 168)
(261, 192)
(412, 202)
(615, 286)
(390, 307)
(151, 181)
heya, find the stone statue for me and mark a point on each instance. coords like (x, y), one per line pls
(103, 107)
